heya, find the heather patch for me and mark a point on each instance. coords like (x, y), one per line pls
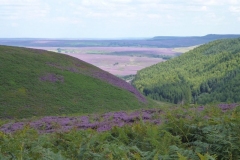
(51, 77)
(119, 83)
(182, 133)
(107, 121)
(99, 122)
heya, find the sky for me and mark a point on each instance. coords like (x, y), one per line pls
(111, 19)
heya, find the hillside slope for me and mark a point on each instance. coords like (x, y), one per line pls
(38, 83)
(205, 74)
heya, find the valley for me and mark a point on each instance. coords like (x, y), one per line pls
(120, 80)
(120, 61)
(119, 57)
(68, 102)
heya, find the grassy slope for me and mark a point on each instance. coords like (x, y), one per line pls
(38, 83)
(208, 70)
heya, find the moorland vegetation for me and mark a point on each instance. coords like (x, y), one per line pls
(189, 132)
(40, 83)
(53, 106)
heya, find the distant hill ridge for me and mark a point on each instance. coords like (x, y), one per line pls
(187, 41)
(206, 74)
(208, 36)
(39, 83)
(158, 41)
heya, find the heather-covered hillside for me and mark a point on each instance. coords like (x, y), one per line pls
(170, 133)
(206, 74)
(37, 83)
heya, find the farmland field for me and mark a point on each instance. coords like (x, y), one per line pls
(119, 61)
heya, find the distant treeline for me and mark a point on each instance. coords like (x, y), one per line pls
(206, 74)
(150, 54)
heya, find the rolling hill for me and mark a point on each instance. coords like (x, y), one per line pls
(41, 83)
(206, 74)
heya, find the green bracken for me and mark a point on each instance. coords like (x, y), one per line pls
(185, 133)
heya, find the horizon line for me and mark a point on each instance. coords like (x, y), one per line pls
(116, 38)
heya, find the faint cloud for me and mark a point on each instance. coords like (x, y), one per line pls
(212, 15)
(67, 20)
(209, 19)
(61, 19)
(212, 2)
(22, 9)
(234, 9)
(119, 15)
(14, 24)
(96, 14)
(214, 18)
(216, 2)
(121, 1)
(204, 8)
(235, 12)
(154, 16)
(234, 1)
(170, 17)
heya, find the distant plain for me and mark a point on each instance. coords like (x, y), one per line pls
(120, 61)
(119, 57)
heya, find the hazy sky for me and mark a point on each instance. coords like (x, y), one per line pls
(117, 18)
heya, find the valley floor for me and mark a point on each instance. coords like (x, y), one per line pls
(119, 61)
